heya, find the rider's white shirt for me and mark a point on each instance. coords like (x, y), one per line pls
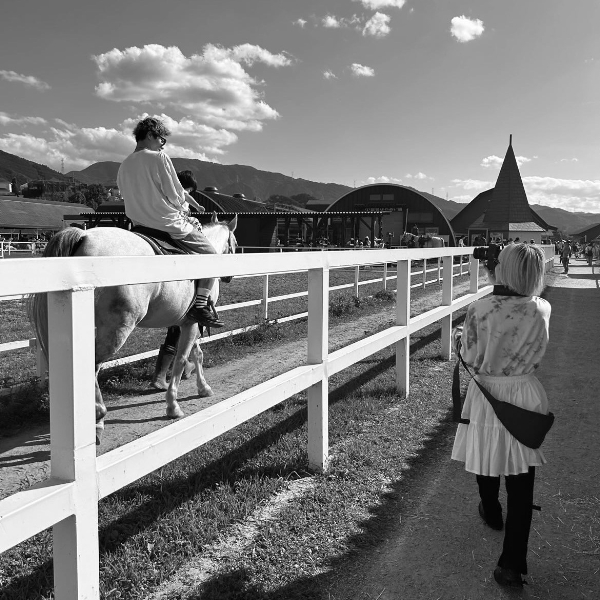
(152, 193)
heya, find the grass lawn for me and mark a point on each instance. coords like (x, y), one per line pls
(178, 515)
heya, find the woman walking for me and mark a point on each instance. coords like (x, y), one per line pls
(503, 341)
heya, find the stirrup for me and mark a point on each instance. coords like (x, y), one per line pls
(211, 305)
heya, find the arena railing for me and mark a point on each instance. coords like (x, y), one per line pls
(68, 500)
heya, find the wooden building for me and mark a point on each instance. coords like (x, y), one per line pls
(502, 212)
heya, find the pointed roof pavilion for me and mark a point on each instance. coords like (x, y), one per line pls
(509, 208)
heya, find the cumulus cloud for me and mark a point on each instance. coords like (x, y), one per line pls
(383, 179)
(212, 87)
(81, 146)
(465, 29)
(495, 162)
(581, 195)
(331, 22)
(476, 185)
(329, 75)
(377, 25)
(569, 160)
(419, 175)
(29, 80)
(362, 71)
(377, 4)
(300, 22)
(6, 119)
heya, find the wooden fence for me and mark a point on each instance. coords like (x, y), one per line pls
(68, 500)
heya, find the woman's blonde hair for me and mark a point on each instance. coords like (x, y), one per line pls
(521, 268)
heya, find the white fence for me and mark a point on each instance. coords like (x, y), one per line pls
(9, 248)
(264, 303)
(68, 501)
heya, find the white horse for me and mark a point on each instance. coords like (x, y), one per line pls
(421, 241)
(120, 309)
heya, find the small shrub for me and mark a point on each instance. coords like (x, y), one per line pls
(385, 296)
(340, 305)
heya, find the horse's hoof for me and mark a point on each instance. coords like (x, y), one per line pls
(174, 412)
(159, 385)
(205, 393)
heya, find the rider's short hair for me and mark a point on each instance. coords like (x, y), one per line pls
(150, 125)
(187, 180)
(521, 268)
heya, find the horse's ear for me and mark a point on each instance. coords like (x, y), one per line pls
(214, 218)
(233, 223)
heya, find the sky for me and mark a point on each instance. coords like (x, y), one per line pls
(422, 93)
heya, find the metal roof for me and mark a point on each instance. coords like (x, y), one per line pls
(23, 213)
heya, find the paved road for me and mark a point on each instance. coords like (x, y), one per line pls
(442, 550)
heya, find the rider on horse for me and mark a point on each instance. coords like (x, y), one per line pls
(154, 197)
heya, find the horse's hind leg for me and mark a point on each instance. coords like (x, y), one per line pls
(204, 390)
(100, 411)
(189, 333)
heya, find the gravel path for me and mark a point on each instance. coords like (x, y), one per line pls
(442, 549)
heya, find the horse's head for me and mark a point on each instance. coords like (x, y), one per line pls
(220, 234)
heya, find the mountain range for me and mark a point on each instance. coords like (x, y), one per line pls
(259, 185)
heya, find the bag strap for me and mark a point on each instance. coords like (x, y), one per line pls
(493, 401)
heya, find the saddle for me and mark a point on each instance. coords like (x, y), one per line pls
(160, 241)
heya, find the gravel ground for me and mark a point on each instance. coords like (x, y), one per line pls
(441, 549)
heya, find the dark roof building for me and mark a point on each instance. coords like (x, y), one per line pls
(502, 212)
(30, 216)
(587, 234)
(403, 209)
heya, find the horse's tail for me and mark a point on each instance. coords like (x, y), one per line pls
(64, 243)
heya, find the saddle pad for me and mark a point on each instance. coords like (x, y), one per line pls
(160, 241)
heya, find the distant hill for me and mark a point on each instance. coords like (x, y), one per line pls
(253, 183)
(229, 179)
(566, 221)
(25, 170)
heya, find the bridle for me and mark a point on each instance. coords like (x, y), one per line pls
(230, 250)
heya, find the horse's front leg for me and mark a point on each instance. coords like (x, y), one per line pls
(100, 411)
(204, 390)
(189, 333)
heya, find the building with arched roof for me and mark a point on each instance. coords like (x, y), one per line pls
(401, 209)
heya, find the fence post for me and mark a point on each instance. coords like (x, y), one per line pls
(402, 318)
(474, 274)
(356, 278)
(385, 276)
(439, 270)
(73, 440)
(424, 273)
(318, 348)
(265, 298)
(447, 291)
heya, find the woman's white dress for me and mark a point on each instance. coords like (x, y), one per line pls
(503, 341)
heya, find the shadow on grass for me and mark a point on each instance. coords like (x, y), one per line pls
(163, 498)
(381, 525)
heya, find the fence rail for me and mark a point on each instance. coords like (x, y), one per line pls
(265, 302)
(68, 500)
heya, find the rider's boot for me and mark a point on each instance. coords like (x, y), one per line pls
(203, 311)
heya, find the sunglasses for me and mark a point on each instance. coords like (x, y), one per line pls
(163, 140)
